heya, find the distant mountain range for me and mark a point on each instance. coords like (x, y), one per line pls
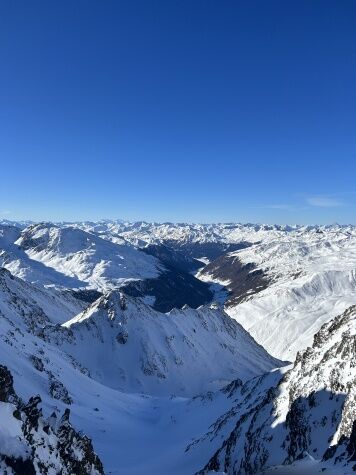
(170, 344)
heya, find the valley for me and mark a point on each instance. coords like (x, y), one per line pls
(178, 348)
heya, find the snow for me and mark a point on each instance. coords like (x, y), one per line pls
(183, 352)
(310, 269)
(10, 430)
(147, 386)
(308, 466)
(311, 272)
(72, 258)
(84, 355)
(312, 279)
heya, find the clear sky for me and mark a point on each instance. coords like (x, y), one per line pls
(189, 110)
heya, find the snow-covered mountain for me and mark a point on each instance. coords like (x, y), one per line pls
(31, 444)
(84, 256)
(282, 282)
(283, 290)
(94, 361)
(71, 258)
(308, 415)
(127, 345)
(185, 233)
(187, 391)
(23, 302)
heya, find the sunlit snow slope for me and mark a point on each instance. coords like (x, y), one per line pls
(72, 258)
(282, 285)
(310, 279)
(127, 345)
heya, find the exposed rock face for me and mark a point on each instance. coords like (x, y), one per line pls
(32, 445)
(57, 390)
(351, 446)
(93, 362)
(310, 410)
(344, 453)
(285, 289)
(15, 295)
(7, 393)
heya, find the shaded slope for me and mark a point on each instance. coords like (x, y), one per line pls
(182, 352)
(311, 410)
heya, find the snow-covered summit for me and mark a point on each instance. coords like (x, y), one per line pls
(71, 257)
(184, 233)
(282, 282)
(92, 363)
(127, 345)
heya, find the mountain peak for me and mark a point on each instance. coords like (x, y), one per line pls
(179, 352)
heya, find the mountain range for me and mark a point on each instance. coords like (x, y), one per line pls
(177, 348)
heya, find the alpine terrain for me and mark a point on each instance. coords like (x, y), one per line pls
(185, 349)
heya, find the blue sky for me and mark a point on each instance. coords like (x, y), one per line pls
(178, 110)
